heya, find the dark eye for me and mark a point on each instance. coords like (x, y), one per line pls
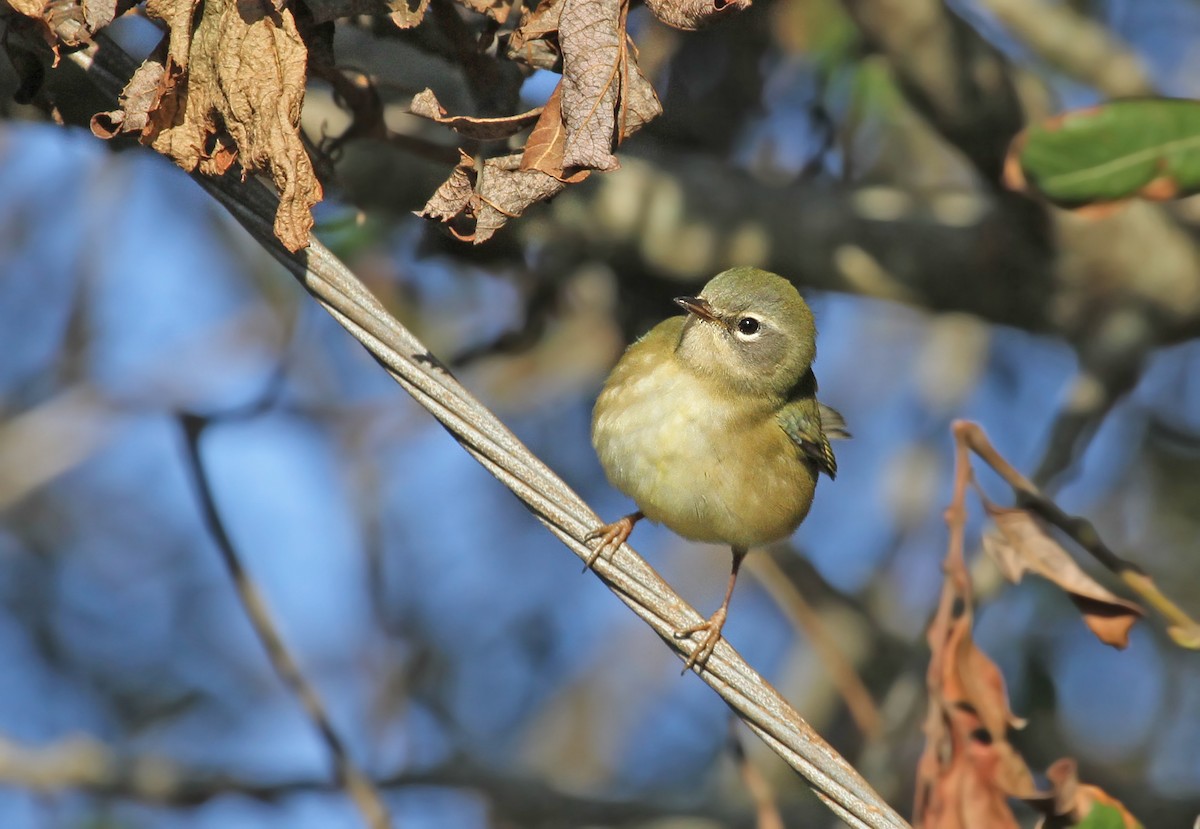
(748, 326)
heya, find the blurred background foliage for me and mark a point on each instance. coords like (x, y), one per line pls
(854, 147)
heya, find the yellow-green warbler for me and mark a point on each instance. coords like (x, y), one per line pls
(710, 423)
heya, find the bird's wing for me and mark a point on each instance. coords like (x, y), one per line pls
(832, 423)
(810, 425)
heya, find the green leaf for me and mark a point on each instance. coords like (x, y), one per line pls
(1102, 816)
(1147, 148)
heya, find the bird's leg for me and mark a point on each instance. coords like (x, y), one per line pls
(611, 535)
(712, 627)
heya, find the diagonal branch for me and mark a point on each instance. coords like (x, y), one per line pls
(550, 500)
(1183, 629)
(360, 788)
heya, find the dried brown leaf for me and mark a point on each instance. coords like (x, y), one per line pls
(692, 14)
(968, 769)
(476, 202)
(67, 21)
(639, 101)
(535, 41)
(544, 149)
(1023, 545)
(138, 99)
(245, 73)
(593, 45)
(505, 192)
(29, 8)
(48, 22)
(452, 197)
(406, 16)
(99, 13)
(498, 10)
(177, 14)
(425, 104)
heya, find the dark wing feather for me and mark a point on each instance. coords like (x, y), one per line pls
(810, 425)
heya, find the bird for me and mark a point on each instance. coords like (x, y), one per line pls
(710, 423)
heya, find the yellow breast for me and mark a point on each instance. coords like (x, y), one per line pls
(710, 466)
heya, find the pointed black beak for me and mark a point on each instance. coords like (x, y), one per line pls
(697, 306)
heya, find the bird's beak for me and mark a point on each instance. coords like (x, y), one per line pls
(697, 306)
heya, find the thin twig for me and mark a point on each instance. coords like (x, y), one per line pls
(361, 790)
(845, 678)
(1092, 397)
(969, 436)
(551, 501)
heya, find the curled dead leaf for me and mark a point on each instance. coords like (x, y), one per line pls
(477, 200)
(231, 92)
(425, 104)
(592, 39)
(535, 41)
(968, 769)
(451, 198)
(546, 144)
(406, 16)
(692, 14)
(1023, 545)
(605, 97)
(137, 101)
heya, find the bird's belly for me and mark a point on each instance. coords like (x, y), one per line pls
(699, 471)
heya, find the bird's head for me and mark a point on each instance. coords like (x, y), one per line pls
(750, 330)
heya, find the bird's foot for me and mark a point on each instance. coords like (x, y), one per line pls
(611, 536)
(712, 634)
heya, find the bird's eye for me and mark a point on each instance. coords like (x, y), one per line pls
(748, 326)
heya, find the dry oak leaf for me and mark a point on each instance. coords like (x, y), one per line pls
(245, 74)
(968, 769)
(604, 98)
(425, 104)
(1023, 545)
(692, 14)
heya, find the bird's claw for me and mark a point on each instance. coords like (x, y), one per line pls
(712, 635)
(611, 536)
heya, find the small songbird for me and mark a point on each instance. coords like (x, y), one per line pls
(711, 424)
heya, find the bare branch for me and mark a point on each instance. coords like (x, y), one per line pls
(967, 435)
(854, 692)
(361, 790)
